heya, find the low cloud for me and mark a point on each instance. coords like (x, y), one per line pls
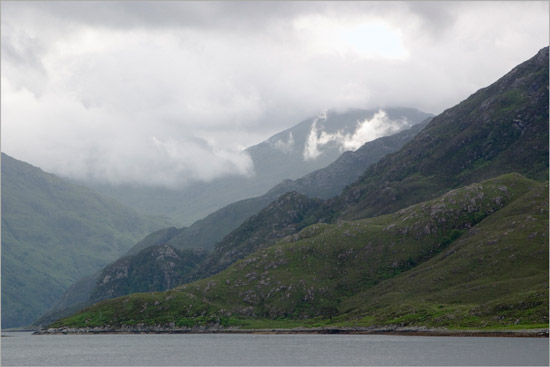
(367, 130)
(180, 161)
(285, 146)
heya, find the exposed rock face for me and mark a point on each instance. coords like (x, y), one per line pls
(153, 269)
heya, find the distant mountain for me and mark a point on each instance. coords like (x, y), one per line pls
(310, 145)
(323, 183)
(206, 232)
(53, 233)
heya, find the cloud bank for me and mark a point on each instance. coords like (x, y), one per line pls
(167, 93)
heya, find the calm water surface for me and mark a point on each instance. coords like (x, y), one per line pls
(24, 349)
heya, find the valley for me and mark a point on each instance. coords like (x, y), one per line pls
(450, 231)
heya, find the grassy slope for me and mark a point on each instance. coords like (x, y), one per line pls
(324, 274)
(53, 233)
(494, 275)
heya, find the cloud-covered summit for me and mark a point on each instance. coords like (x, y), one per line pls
(165, 93)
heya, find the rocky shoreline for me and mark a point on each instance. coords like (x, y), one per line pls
(390, 330)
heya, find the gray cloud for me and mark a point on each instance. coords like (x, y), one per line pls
(164, 93)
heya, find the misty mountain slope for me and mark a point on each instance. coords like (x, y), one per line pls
(439, 158)
(53, 233)
(285, 155)
(276, 159)
(74, 299)
(457, 145)
(323, 183)
(331, 180)
(206, 232)
(320, 273)
(501, 128)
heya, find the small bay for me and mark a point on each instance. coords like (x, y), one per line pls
(24, 349)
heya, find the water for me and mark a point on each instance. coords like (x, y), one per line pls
(24, 349)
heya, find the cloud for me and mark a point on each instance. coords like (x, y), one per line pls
(314, 140)
(180, 160)
(282, 145)
(369, 129)
(87, 85)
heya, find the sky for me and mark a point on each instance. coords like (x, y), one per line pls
(167, 93)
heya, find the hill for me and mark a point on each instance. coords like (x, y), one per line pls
(53, 233)
(324, 275)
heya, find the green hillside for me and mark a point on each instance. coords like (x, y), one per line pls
(324, 274)
(213, 229)
(495, 274)
(53, 233)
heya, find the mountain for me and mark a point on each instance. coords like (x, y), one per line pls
(310, 145)
(501, 128)
(206, 232)
(484, 245)
(481, 136)
(486, 135)
(53, 233)
(474, 257)
(323, 183)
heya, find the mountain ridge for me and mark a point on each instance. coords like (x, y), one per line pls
(212, 229)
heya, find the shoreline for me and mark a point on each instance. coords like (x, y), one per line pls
(403, 331)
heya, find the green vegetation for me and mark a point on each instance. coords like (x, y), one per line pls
(206, 232)
(475, 257)
(53, 233)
